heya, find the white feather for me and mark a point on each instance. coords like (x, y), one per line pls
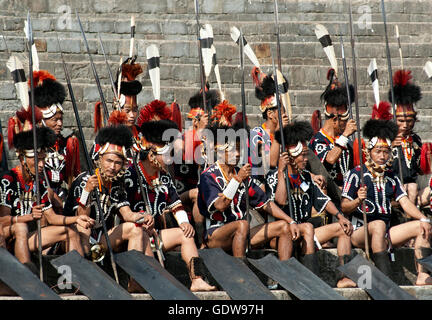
(21, 87)
(35, 57)
(375, 85)
(321, 31)
(235, 35)
(216, 71)
(206, 53)
(152, 52)
(428, 69)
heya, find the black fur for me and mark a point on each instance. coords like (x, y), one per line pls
(293, 133)
(212, 99)
(267, 88)
(130, 88)
(153, 130)
(338, 96)
(48, 93)
(406, 95)
(45, 138)
(119, 135)
(384, 129)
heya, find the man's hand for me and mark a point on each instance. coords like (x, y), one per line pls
(244, 172)
(203, 121)
(285, 121)
(362, 193)
(350, 128)
(85, 221)
(37, 211)
(426, 229)
(320, 181)
(147, 221)
(283, 161)
(187, 229)
(295, 231)
(346, 225)
(92, 183)
(398, 141)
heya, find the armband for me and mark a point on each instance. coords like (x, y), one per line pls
(231, 189)
(84, 198)
(425, 220)
(342, 141)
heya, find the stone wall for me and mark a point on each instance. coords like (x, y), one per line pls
(171, 25)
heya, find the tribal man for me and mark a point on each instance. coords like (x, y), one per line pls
(381, 185)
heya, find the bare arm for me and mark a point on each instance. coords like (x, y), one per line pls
(410, 208)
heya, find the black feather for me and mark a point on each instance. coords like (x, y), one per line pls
(293, 133)
(119, 135)
(268, 87)
(50, 92)
(46, 138)
(384, 129)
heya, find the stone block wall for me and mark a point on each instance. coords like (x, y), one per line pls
(171, 25)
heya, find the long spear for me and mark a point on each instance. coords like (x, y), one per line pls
(113, 87)
(4, 155)
(95, 74)
(89, 163)
(287, 181)
(359, 139)
(243, 98)
(345, 71)
(202, 77)
(286, 97)
(399, 149)
(36, 153)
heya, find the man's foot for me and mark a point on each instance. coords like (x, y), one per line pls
(346, 283)
(198, 284)
(423, 279)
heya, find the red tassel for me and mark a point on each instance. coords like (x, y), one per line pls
(155, 109)
(239, 118)
(176, 115)
(425, 158)
(223, 112)
(356, 152)
(131, 71)
(330, 73)
(316, 121)
(382, 112)
(402, 77)
(257, 75)
(11, 131)
(73, 165)
(97, 117)
(118, 117)
(40, 76)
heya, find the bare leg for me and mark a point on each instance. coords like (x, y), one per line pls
(401, 233)
(173, 237)
(232, 235)
(22, 252)
(412, 191)
(335, 230)
(136, 237)
(53, 234)
(307, 234)
(276, 229)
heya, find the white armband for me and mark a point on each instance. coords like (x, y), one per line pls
(342, 141)
(425, 220)
(84, 198)
(231, 189)
(181, 217)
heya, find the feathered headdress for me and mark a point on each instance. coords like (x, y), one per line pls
(155, 110)
(223, 113)
(406, 93)
(23, 141)
(295, 134)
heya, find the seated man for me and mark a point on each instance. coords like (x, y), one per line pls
(110, 149)
(152, 189)
(305, 195)
(221, 199)
(381, 186)
(19, 211)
